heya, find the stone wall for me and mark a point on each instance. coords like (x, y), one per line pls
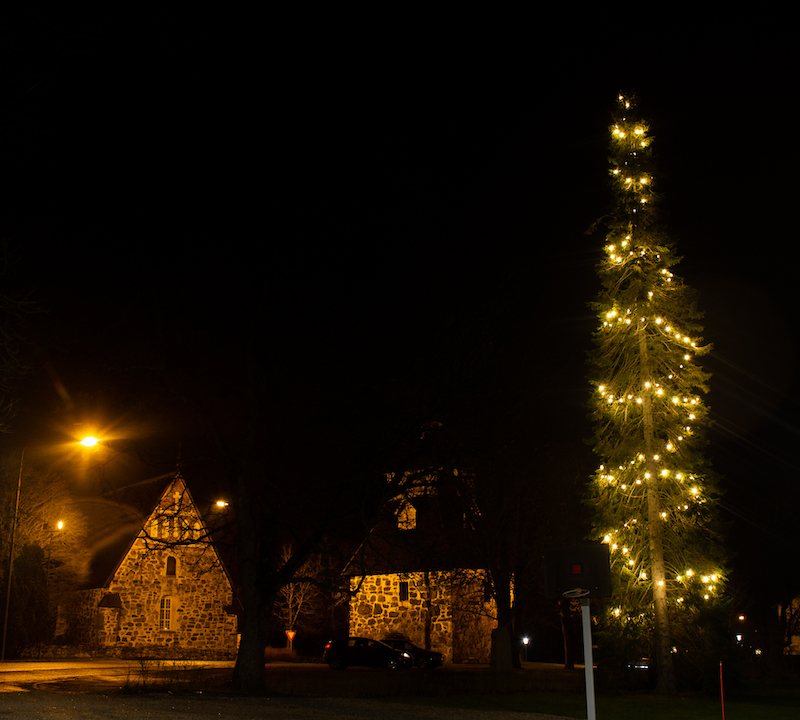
(444, 611)
(83, 621)
(474, 616)
(791, 612)
(197, 593)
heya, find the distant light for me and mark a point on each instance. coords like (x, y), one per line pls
(525, 640)
(60, 525)
(221, 504)
(89, 441)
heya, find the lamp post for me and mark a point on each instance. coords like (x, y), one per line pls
(58, 526)
(525, 642)
(11, 555)
(86, 442)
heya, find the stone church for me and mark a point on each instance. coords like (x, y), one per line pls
(167, 595)
(422, 581)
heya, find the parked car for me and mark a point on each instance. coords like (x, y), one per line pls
(422, 658)
(340, 653)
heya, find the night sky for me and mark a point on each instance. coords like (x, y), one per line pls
(163, 179)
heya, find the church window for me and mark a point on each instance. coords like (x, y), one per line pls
(165, 614)
(172, 565)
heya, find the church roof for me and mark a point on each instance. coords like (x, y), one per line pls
(437, 540)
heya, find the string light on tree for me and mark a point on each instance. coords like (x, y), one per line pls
(649, 412)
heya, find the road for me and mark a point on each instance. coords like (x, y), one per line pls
(105, 675)
(91, 690)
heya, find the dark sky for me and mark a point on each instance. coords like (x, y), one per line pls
(161, 173)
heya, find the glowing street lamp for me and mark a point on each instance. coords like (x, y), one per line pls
(525, 642)
(89, 441)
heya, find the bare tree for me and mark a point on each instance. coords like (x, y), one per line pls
(48, 549)
(303, 595)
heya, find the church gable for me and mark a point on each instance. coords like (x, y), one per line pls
(169, 592)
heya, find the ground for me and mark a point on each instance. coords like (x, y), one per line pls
(97, 707)
(95, 689)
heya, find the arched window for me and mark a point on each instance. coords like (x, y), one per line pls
(165, 614)
(172, 565)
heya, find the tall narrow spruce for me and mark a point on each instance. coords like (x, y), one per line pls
(653, 496)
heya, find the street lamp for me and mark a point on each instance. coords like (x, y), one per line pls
(11, 555)
(58, 527)
(525, 642)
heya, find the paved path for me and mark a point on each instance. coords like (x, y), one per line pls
(109, 675)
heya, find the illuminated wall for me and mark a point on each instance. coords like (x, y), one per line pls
(450, 608)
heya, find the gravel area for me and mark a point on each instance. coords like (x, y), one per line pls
(47, 706)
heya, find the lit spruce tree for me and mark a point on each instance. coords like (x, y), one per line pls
(654, 503)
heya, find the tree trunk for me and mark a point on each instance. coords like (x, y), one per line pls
(428, 609)
(503, 656)
(502, 649)
(249, 675)
(666, 672)
(665, 684)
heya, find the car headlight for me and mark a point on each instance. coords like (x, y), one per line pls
(406, 655)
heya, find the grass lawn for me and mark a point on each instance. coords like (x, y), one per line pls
(762, 701)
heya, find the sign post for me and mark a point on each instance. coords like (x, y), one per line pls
(580, 571)
(588, 660)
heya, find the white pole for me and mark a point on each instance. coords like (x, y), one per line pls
(586, 621)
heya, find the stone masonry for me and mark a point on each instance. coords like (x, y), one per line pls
(445, 611)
